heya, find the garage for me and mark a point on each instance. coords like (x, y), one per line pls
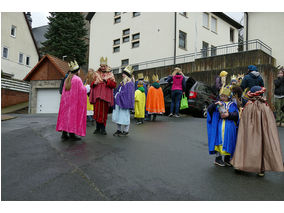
(48, 101)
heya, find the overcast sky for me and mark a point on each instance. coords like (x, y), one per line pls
(40, 18)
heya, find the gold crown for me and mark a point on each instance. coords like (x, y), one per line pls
(128, 69)
(140, 76)
(225, 91)
(146, 78)
(155, 78)
(223, 73)
(233, 77)
(73, 65)
(103, 61)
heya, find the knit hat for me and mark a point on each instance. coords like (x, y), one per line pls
(252, 68)
(256, 91)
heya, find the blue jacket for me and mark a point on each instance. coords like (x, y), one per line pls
(252, 79)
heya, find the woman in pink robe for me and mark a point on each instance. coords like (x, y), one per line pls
(73, 105)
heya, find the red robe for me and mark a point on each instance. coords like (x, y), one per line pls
(101, 95)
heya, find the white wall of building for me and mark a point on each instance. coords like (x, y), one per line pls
(269, 28)
(156, 36)
(21, 43)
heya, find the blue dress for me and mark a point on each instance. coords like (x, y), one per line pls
(222, 133)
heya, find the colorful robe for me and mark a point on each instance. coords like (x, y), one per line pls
(222, 133)
(258, 146)
(101, 95)
(155, 100)
(140, 102)
(124, 102)
(73, 108)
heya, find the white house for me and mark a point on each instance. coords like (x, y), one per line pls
(269, 28)
(135, 37)
(19, 53)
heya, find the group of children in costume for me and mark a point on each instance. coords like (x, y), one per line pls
(242, 128)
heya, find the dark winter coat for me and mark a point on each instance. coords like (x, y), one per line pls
(279, 86)
(252, 79)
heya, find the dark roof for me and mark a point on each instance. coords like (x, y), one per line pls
(38, 33)
(61, 66)
(30, 29)
(228, 19)
(90, 15)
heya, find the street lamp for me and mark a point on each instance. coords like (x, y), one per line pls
(65, 56)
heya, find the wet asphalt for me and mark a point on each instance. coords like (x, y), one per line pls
(165, 160)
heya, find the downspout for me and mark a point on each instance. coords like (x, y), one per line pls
(175, 38)
(247, 30)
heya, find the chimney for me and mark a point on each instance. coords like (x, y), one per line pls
(29, 16)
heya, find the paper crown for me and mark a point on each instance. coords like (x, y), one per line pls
(155, 78)
(128, 69)
(146, 78)
(234, 78)
(225, 91)
(223, 73)
(241, 76)
(140, 76)
(73, 65)
(103, 61)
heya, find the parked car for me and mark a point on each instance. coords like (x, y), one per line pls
(199, 96)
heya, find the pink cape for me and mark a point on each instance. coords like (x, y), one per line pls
(73, 108)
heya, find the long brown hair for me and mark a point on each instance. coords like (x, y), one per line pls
(68, 81)
(90, 76)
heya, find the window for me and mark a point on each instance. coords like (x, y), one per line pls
(135, 67)
(183, 14)
(117, 20)
(28, 60)
(124, 63)
(126, 32)
(116, 49)
(125, 39)
(134, 14)
(135, 36)
(206, 20)
(135, 44)
(117, 13)
(116, 41)
(204, 49)
(21, 58)
(13, 31)
(232, 31)
(115, 71)
(182, 40)
(5, 52)
(213, 24)
(213, 50)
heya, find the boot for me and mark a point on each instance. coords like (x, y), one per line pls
(103, 129)
(73, 137)
(97, 128)
(64, 135)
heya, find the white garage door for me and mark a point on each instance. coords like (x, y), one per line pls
(48, 101)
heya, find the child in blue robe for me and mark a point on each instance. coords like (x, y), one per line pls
(222, 124)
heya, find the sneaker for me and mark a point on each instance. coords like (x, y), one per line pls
(261, 174)
(138, 123)
(117, 133)
(227, 159)
(171, 114)
(96, 131)
(73, 137)
(219, 161)
(124, 133)
(103, 132)
(177, 116)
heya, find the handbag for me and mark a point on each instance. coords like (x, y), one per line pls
(183, 102)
